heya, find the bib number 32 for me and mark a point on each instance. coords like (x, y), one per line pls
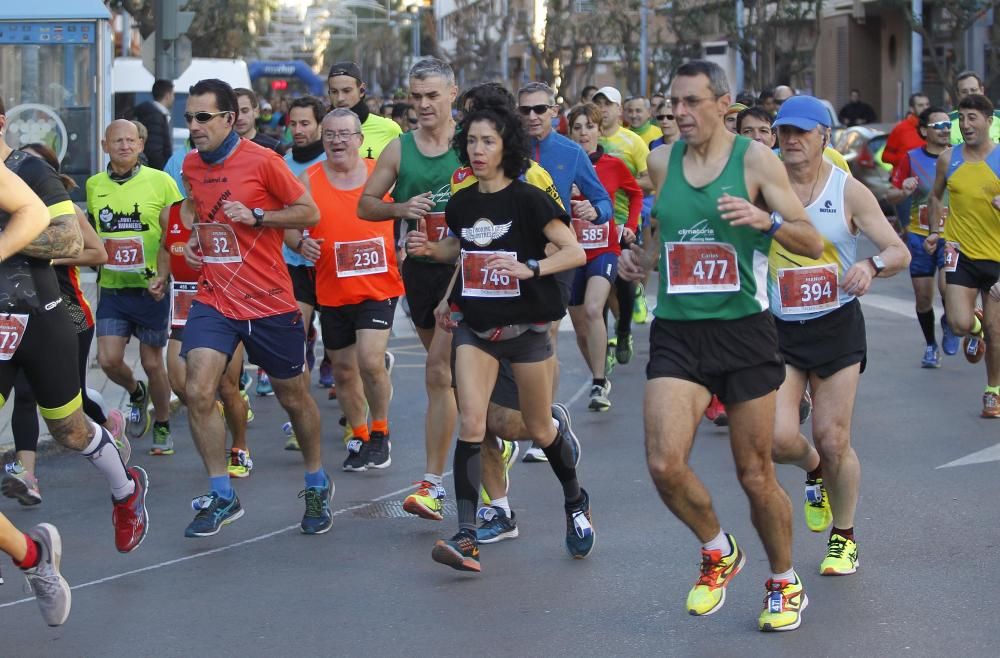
(218, 243)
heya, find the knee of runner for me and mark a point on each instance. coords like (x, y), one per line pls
(438, 375)
(151, 362)
(594, 312)
(664, 469)
(756, 477)
(109, 361)
(371, 363)
(833, 441)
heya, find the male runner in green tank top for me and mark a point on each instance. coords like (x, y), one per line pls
(420, 165)
(713, 333)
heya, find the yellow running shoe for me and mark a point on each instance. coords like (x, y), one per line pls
(427, 501)
(510, 451)
(819, 516)
(246, 398)
(709, 593)
(783, 605)
(240, 463)
(841, 557)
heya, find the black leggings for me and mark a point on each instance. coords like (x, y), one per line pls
(24, 417)
(625, 293)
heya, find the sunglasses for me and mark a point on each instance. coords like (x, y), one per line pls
(203, 117)
(940, 125)
(664, 117)
(537, 109)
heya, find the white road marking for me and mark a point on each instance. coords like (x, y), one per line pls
(981, 457)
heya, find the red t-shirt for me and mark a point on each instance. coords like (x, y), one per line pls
(176, 237)
(244, 275)
(905, 137)
(615, 175)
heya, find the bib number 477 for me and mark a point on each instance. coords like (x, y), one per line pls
(701, 267)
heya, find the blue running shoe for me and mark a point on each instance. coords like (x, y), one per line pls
(496, 526)
(263, 383)
(245, 380)
(949, 341)
(213, 513)
(325, 373)
(579, 529)
(932, 357)
(317, 518)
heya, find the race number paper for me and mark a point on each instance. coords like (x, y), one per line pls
(478, 280)
(361, 257)
(808, 289)
(11, 332)
(437, 228)
(923, 217)
(950, 256)
(590, 235)
(125, 254)
(699, 267)
(182, 293)
(218, 243)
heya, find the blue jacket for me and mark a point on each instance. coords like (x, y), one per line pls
(568, 163)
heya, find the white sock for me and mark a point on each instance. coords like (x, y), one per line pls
(102, 453)
(433, 479)
(787, 576)
(555, 424)
(719, 543)
(503, 504)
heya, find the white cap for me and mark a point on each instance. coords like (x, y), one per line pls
(610, 93)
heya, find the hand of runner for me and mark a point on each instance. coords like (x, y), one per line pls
(417, 206)
(510, 266)
(582, 209)
(237, 212)
(740, 212)
(311, 249)
(630, 265)
(858, 279)
(192, 252)
(157, 287)
(628, 236)
(442, 315)
(416, 243)
(910, 185)
(931, 242)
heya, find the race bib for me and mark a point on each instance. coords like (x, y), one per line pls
(950, 256)
(923, 217)
(808, 289)
(12, 328)
(437, 228)
(478, 280)
(218, 243)
(182, 293)
(699, 267)
(360, 258)
(125, 254)
(590, 235)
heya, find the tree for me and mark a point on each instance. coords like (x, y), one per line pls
(676, 40)
(565, 54)
(481, 29)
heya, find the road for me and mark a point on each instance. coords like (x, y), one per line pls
(926, 585)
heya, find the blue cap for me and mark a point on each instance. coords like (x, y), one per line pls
(803, 112)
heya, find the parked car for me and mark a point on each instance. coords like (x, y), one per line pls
(862, 147)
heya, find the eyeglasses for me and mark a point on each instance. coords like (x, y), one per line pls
(691, 101)
(664, 117)
(526, 110)
(339, 136)
(940, 125)
(203, 117)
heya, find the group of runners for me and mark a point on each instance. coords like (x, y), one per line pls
(506, 226)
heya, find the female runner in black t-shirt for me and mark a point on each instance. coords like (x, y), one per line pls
(507, 299)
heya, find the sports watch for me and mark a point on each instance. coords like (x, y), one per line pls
(258, 217)
(536, 269)
(877, 263)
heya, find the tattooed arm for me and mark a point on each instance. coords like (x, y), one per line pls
(62, 239)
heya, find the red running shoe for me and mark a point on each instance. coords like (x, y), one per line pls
(130, 517)
(716, 412)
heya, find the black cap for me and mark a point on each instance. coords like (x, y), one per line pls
(346, 68)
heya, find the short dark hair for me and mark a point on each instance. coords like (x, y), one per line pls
(855, 90)
(315, 104)
(925, 116)
(746, 98)
(765, 93)
(487, 94)
(587, 90)
(400, 110)
(225, 97)
(589, 110)
(915, 95)
(243, 92)
(717, 81)
(757, 112)
(969, 74)
(977, 102)
(161, 88)
(516, 151)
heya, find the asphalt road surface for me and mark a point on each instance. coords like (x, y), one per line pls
(926, 586)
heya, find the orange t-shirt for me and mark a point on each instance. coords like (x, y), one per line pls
(243, 275)
(358, 259)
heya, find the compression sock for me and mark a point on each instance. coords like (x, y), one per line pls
(926, 320)
(32, 555)
(625, 292)
(102, 453)
(560, 455)
(468, 476)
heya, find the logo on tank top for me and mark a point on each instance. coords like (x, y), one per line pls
(112, 221)
(828, 207)
(442, 195)
(699, 232)
(483, 232)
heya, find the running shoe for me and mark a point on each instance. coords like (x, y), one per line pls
(974, 346)
(263, 383)
(932, 357)
(317, 518)
(116, 420)
(291, 441)
(579, 528)
(332, 393)
(949, 341)
(717, 570)
(246, 399)
(561, 414)
(599, 400)
(162, 443)
(841, 557)
(625, 349)
(245, 380)
(716, 412)
(640, 310)
(819, 516)
(175, 404)
(508, 451)
(325, 373)
(240, 463)
(19, 483)
(213, 512)
(379, 447)
(783, 606)
(130, 518)
(357, 456)
(805, 407)
(427, 501)
(50, 588)
(991, 405)
(610, 360)
(496, 525)
(460, 552)
(139, 419)
(534, 455)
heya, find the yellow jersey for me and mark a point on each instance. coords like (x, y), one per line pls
(535, 175)
(973, 220)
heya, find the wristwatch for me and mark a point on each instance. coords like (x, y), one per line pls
(258, 217)
(776, 222)
(877, 263)
(535, 268)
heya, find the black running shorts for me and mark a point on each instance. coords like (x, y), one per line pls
(826, 344)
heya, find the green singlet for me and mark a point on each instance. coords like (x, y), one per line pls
(419, 173)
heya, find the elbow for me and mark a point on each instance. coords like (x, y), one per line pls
(364, 210)
(312, 217)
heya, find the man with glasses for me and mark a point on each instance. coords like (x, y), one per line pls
(968, 83)
(912, 179)
(245, 197)
(347, 89)
(668, 126)
(639, 121)
(404, 115)
(781, 94)
(124, 204)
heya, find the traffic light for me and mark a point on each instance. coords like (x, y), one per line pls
(172, 21)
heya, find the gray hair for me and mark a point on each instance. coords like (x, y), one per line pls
(432, 66)
(343, 112)
(717, 81)
(645, 101)
(534, 87)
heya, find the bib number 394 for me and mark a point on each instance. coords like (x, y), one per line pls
(12, 328)
(700, 267)
(125, 254)
(808, 289)
(218, 243)
(479, 280)
(361, 257)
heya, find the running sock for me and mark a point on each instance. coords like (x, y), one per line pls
(815, 474)
(993, 389)
(434, 479)
(32, 556)
(926, 320)
(560, 456)
(846, 533)
(138, 393)
(381, 426)
(317, 479)
(977, 326)
(503, 504)
(361, 432)
(102, 453)
(599, 382)
(719, 543)
(161, 423)
(468, 476)
(787, 576)
(221, 486)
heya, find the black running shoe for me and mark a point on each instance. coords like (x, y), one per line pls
(579, 529)
(357, 455)
(460, 552)
(379, 448)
